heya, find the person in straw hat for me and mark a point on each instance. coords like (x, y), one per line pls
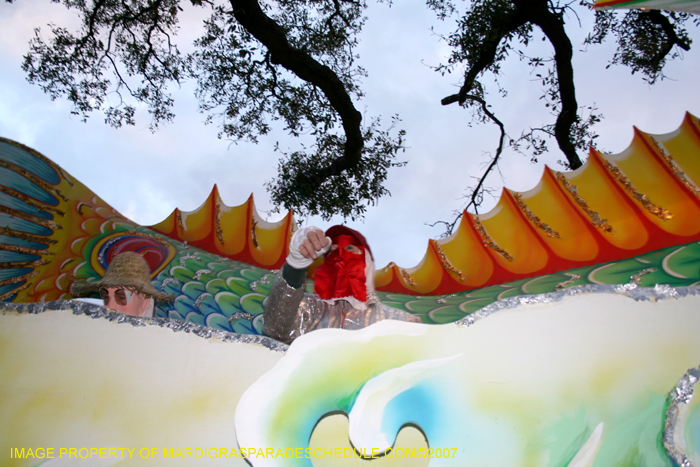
(126, 286)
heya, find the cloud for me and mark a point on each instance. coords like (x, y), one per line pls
(145, 175)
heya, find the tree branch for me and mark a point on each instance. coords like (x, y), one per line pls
(552, 25)
(249, 14)
(672, 38)
(486, 54)
(477, 194)
(478, 190)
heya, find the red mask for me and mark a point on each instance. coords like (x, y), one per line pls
(342, 273)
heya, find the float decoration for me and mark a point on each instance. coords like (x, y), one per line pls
(490, 390)
(589, 375)
(48, 219)
(237, 233)
(592, 374)
(615, 206)
(689, 6)
(54, 231)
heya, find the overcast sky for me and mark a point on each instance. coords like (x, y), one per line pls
(145, 176)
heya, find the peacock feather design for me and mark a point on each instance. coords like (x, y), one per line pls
(631, 218)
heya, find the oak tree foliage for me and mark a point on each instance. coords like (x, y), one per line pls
(294, 62)
(489, 32)
(288, 61)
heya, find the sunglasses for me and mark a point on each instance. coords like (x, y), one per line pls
(121, 296)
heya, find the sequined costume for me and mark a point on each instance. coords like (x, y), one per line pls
(291, 312)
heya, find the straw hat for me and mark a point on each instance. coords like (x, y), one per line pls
(128, 270)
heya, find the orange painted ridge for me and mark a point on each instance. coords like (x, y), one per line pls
(238, 232)
(649, 195)
(611, 208)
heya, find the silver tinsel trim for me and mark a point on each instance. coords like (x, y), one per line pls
(105, 248)
(633, 291)
(199, 273)
(169, 280)
(636, 278)
(681, 394)
(266, 279)
(443, 298)
(184, 258)
(683, 391)
(100, 312)
(198, 302)
(263, 280)
(574, 278)
(241, 315)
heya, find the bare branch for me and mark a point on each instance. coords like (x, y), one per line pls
(476, 197)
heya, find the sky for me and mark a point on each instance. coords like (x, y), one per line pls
(146, 175)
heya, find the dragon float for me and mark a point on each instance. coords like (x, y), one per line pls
(635, 214)
(567, 331)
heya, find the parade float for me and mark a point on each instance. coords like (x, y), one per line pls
(560, 328)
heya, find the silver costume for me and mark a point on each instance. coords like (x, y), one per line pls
(291, 312)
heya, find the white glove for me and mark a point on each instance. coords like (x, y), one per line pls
(295, 259)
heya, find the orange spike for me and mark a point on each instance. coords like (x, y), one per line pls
(613, 207)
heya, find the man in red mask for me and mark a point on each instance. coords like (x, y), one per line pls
(344, 295)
